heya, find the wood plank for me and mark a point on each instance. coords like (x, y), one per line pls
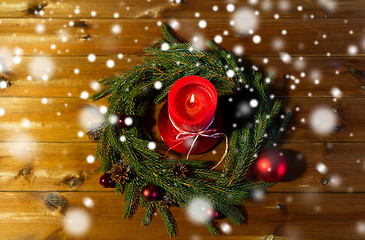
(49, 166)
(344, 73)
(64, 167)
(299, 216)
(136, 34)
(169, 9)
(58, 120)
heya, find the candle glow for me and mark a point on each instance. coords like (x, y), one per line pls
(192, 100)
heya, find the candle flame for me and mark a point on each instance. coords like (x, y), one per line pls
(192, 99)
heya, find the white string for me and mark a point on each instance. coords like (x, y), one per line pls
(206, 132)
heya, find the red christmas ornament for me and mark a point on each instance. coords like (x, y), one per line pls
(150, 193)
(121, 122)
(271, 166)
(106, 180)
(218, 215)
(124, 121)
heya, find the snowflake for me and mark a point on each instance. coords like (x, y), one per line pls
(323, 120)
(76, 222)
(256, 39)
(244, 20)
(202, 23)
(152, 145)
(110, 63)
(91, 57)
(90, 159)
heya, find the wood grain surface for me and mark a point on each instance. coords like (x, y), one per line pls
(64, 167)
(97, 36)
(315, 47)
(331, 71)
(285, 216)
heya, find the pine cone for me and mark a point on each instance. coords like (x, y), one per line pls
(180, 170)
(121, 173)
(166, 200)
(94, 132)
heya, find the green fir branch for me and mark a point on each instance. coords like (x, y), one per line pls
(131, 199)
(149, 212)
(168, 219)
(213, 228)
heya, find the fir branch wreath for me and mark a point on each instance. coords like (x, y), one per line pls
(124, 151)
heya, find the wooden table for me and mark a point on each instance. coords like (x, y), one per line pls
(44, 148)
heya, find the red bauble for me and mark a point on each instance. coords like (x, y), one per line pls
(218, 215)
(124, 121)
(106, 180)
(271, 166)
(121, 123)
(150, 193)
(212, 213)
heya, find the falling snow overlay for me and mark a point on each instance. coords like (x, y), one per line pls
(53, 54)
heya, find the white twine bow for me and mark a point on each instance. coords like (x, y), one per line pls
(209, 133)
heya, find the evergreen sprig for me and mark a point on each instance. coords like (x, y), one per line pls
(132, 93)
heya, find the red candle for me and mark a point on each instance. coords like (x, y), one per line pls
(192, 102)
(191, 108)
